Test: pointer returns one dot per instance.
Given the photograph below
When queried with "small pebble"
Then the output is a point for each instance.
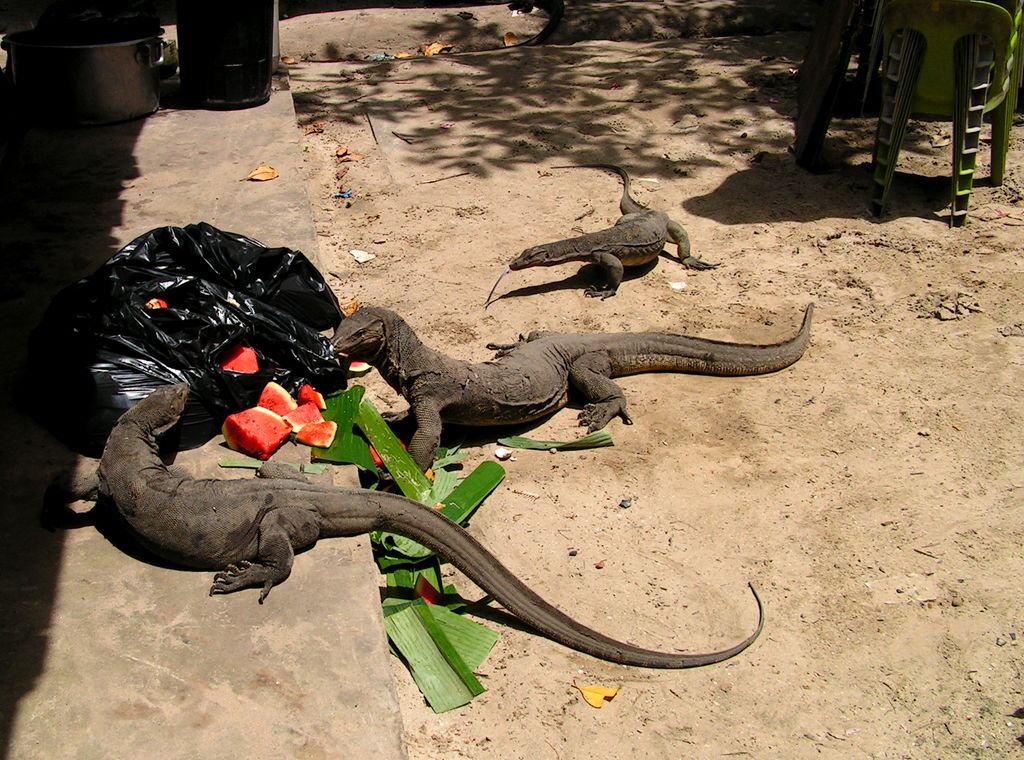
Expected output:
(924, 432)
(626, 503)
(573, 552)
(1000, 641)
(502, 454)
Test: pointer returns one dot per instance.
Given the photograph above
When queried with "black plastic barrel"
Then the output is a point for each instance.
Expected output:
(225, 50)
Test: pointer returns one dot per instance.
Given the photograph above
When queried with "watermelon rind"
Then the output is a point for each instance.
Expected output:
(303, 415)
(319, 434)
(256, 431)
(358, 369)
(275, 398)
(309, 394)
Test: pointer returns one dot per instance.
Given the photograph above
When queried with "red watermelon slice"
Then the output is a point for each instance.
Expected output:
(276, 399)
(241, 359)
(257, 432)
(318, 433)
(303, 415)
(309, 394)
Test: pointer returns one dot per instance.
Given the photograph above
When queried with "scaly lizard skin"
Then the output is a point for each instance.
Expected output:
(637, 238)
(249, 530)
(532, 378)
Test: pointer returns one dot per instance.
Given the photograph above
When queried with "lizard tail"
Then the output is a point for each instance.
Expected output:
(361, 512)
(627, 204)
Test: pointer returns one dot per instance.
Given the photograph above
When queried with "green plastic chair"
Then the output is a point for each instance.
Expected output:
(953, 58)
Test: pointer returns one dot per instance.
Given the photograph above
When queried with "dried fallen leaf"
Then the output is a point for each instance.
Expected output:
(436, 47)
(287, 59)
(314, 129)
(596, 696)
(263, 174)
(403, 54)
(342, 150)
(351, 307)
(341, 172)
(511, 39)
(599, 564)
(351, 157)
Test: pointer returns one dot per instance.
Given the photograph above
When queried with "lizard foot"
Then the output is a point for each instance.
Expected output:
(601, 293)
(596, 416)
(243, 574)
(692, 262)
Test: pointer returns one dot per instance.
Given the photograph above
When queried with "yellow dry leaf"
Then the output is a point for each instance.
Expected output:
(352, 157)
(341, 151)
(351, 307)
(403, 54)
(263, 173)
(511, 39)
(287, 59)
(436, 47)
(596, 696)
(314, 128)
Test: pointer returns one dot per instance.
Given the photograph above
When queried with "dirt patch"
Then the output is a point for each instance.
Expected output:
(872, 491)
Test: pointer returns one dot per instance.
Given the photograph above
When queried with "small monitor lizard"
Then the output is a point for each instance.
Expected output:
(532, 378)
(249, 530)
(636, 239)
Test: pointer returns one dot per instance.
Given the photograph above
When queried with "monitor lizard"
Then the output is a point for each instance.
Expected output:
(248, 530)
(532, 378)
(636, 239)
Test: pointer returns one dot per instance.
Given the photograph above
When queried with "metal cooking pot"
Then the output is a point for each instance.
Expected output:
(84, 84)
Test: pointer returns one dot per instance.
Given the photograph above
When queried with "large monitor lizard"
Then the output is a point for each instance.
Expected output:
(636, 239)
(532, 378)
(249, 530)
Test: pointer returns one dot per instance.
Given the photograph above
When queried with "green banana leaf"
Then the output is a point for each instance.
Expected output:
(347, 447)
(594, 440)
(440, 672)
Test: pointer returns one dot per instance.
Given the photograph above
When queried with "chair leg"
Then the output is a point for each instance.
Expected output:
(1002, 116)
(899, 80)
(972, 60)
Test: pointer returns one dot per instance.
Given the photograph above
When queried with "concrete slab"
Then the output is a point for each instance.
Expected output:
(109, 656)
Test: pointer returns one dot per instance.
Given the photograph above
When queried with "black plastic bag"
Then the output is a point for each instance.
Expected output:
(166, 309)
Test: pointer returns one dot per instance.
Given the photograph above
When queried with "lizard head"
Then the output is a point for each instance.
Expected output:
(161, 409)
(536, 256)
(362, 336)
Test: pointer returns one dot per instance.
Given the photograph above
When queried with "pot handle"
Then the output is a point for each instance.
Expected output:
(149, 53)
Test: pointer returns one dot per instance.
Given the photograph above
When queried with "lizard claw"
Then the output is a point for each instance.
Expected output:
(602, 293)
(692, 262)
(596, 416)
(232, 578)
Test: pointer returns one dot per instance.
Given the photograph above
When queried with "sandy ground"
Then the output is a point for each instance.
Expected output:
(872, 491)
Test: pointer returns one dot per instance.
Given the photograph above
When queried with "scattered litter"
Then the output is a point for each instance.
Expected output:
(314, 128)
(677, 285)
(502, 454)
(262, 173)
(346, 193)
(378, 57)
(596, 696)
(361, 256)
(434, 48)
(402, 54)
(344, 154)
